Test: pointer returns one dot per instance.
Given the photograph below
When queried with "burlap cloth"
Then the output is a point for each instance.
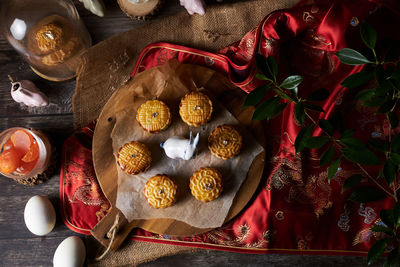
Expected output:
(106, 66)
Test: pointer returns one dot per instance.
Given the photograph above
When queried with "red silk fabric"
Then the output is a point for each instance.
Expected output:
(295, 209)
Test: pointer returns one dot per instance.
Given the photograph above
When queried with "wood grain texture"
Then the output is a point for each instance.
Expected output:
(18, 247)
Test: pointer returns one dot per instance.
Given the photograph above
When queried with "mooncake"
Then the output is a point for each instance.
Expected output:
(206, 184)
(153, 116)
(134, 157)
(195, 109)
(225, 142)
(160, 191)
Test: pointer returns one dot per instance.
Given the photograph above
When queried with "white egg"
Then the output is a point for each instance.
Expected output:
(39, 215)
(70, 253)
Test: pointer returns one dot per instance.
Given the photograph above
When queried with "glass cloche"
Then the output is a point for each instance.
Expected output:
(49, 34)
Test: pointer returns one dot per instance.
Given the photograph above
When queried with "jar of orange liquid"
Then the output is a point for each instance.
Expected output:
(24, 153)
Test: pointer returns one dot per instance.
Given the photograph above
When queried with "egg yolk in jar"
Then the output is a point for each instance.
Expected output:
(19, 153)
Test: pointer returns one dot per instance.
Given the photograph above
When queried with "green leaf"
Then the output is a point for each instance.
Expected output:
(272, 67)
(387, 106)
(366, 194)
(317, 141)
(352, 143)
(396, 214)
(319, 95)
(365, 95)
(292, 82)
(347, 134)
(389, 172)
(326, 126)
(283, 94)
(395, 157)
(387, 218)
(313, 108)
(352, 181)
(255, 96)
(327, 156)
(299, 113)
(361, 156)
(262, 77)
(357, 79)
(333, 168)
(383, 88)
(269, 109)
(351, 57)
(376, 251)
(393, 119)
(268, 66)
(302, 137)
(266, 109)
(368, 35)
(278, 110)
(382, 229)
(374, 102)
(392, 259)
(395, 75)
(378, 145)
(395, 144)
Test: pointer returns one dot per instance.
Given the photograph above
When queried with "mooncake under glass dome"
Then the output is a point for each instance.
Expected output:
(49, 34)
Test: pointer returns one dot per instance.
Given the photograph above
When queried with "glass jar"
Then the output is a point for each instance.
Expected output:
(49, 34)
(27, 164)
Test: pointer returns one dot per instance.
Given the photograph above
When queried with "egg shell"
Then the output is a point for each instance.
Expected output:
(71, 252)
(39, 215)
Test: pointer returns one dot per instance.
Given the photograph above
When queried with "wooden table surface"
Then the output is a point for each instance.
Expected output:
(19, 247)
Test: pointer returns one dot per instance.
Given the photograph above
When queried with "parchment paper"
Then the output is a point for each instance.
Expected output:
(170, 87)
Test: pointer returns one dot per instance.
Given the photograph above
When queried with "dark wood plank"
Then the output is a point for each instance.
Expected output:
(220, 258)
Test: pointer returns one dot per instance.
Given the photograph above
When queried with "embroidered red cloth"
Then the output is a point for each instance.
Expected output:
(295, 210)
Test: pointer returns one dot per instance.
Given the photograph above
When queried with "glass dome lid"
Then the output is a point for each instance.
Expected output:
(49, 34)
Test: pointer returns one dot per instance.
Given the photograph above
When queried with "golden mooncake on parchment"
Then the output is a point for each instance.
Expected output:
(195, 109)
(153, 116)
(160, 191)
(134, 157)
(206, 184)
(225, 142)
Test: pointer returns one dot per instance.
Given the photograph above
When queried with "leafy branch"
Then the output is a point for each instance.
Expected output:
(338, 143)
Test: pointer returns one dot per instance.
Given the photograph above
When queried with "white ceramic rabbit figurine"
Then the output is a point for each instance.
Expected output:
(178, 147)
(27, 93)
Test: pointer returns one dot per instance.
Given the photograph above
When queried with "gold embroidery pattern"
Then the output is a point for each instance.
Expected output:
(344, 221)
(279, 215)
(243, 233)
(284, 171)
(303, 242)
(104, 209)
(88, 191)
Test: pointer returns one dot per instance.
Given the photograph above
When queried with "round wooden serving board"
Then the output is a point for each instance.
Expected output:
(106, 168)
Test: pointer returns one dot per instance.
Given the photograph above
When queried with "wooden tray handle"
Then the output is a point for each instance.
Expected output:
(113, 221)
